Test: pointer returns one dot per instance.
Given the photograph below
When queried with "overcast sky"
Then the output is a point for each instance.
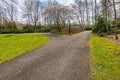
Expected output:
(65, 2)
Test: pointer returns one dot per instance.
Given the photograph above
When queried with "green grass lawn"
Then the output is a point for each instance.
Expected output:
(12, 45)
(105, 59)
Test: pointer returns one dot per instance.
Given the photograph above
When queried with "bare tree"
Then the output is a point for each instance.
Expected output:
(12, 12)
(33, 12)
(57, 14)
(84, 11)
(8, 12)
(87, 12)
(95, 10)
(115, 17)
(105, 11)
(79, 7)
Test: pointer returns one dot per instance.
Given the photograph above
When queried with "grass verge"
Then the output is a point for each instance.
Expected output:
(105, 59)
(12, 45)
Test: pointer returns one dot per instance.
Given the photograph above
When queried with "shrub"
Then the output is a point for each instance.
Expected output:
(89, 27)
(54, 31)
(100, 25)
(28, 28)
(102, 34)
(6, 31)
(118, 31)
(73, 30)
(45, 29)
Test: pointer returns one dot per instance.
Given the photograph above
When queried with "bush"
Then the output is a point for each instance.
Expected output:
(6, 31)
(118, 31)
(45, 29)
(73, 30)
(102, 34)
(89, 27)
(54, 31)
(9, 27)
(100, 27)
(28, 28)
(59, 27)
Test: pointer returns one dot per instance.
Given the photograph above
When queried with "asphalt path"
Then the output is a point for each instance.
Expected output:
(60, 59)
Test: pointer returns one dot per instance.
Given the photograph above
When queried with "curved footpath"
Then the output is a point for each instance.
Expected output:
(60, 59)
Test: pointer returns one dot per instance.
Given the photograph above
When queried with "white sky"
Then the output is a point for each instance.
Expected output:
(66, 2)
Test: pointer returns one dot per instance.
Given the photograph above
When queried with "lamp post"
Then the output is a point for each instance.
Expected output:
(69, 26)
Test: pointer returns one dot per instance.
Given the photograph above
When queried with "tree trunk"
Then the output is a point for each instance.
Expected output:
(87, 11)
(35, 28)
(106, 13)
(115, 14)
(95, 10)
(92, 4)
